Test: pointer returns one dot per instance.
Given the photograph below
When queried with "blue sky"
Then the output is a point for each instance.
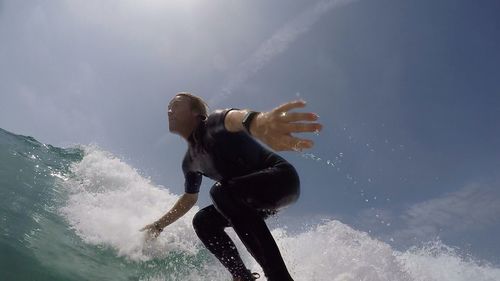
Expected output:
(408, 93)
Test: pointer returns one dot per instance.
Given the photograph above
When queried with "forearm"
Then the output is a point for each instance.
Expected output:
(234, 118)
(180, 208)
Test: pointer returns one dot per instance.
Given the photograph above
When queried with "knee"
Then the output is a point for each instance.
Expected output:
(199, 220)
(219, 193)
(294, 175)
(293, 178)
(293, 186)
(224, 200)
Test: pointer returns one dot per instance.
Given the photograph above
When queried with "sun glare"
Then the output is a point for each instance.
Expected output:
(165, 4)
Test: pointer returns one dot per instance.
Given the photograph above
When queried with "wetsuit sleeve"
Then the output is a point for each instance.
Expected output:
(192, 178)
(215, 121)
(192, 182)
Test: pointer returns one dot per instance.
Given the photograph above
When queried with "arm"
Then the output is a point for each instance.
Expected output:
(274, 128)
(181, 207)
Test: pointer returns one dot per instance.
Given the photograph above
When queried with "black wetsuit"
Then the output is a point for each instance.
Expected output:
(252, 183)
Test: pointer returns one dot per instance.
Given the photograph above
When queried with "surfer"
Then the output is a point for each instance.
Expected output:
(252, 182)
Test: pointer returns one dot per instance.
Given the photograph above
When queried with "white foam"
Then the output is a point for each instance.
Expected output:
(334, 251)
(109, 202)
(436, 261)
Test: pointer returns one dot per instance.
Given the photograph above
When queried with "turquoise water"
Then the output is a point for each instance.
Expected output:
(74, 214)
(36, 242)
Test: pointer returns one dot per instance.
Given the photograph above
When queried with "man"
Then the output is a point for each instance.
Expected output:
(252, 182)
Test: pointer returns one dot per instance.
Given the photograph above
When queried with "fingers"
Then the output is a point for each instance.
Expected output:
(303, 127)
(147, 227)
(299, 116)
(151, 233)
(302, 144)
(292, 143)
(290, 105)
(280, 124)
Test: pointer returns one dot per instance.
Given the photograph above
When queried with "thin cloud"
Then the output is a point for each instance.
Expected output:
(277, 44)
(472, 208)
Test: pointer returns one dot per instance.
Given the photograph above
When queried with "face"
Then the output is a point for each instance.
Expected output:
(180, 116)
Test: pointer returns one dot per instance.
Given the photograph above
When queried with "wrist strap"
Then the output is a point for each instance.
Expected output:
(247, 120)
(157, 226)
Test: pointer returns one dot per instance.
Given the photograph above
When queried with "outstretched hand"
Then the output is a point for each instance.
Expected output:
(274, 128)
(152, 231)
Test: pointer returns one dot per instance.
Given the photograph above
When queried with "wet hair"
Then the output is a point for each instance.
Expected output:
(197, 104)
